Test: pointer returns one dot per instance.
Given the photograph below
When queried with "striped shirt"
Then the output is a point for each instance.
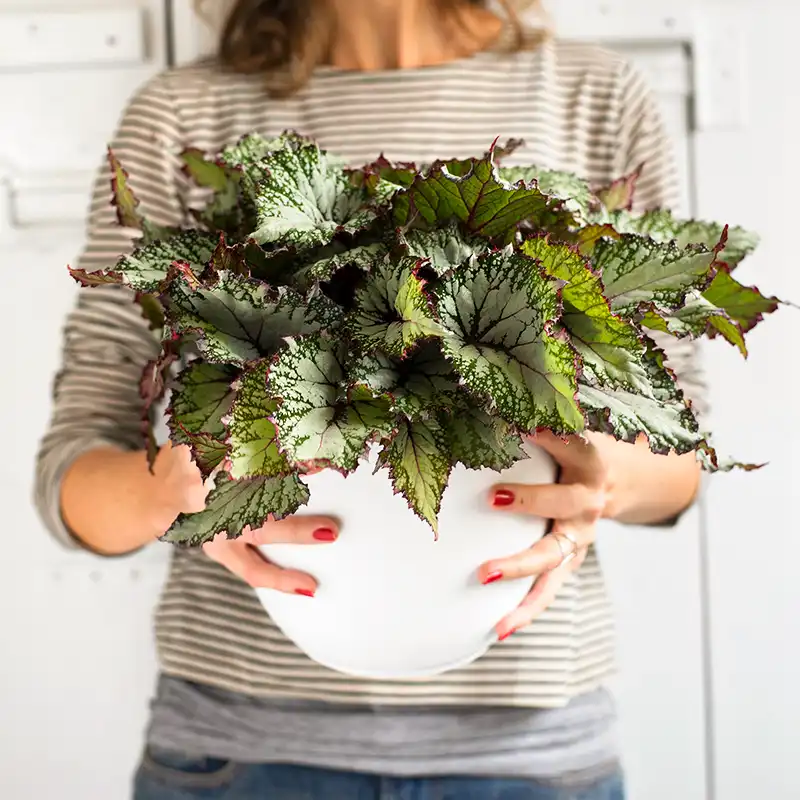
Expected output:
(577, 108)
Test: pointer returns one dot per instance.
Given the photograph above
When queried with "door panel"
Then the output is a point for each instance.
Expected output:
(78, 666)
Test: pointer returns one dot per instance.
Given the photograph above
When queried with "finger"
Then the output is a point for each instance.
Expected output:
(542, 594)
(549, 500)
(548, 553)
(245, 561)
(577, 562)
(542, 557)
(575, 453)
(296, 529)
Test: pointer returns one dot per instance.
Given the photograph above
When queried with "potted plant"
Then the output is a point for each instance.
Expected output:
(361, 342)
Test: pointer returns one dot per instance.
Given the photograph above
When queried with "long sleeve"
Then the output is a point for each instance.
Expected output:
(106, 341)
(644, 142)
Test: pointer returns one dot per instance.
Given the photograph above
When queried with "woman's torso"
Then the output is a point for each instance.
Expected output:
(577, 108)
(564, 102)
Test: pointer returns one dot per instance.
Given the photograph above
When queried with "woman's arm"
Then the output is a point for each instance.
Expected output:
(643, 488)
(89, 477)
(113, 504)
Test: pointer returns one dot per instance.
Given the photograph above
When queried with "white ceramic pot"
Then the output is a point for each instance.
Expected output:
(393, 602)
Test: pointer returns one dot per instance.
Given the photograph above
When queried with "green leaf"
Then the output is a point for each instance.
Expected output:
(307, 198)
(124, 200)
(419, 385)
(204, 172)
(252, 436)
(233, 505)
(318, 425)
(565, 186)
(152, 310)
(364, 257)
(585, 239)
(444, 248)
(619, 195)
(222, 212)
(726, 308)
(202, 397)
(419, 462)
(240, 320)
(127, 205)
(665, 417)
(497, 313)
(662, 226)
(744, 304)
(248, 154)
(150, 268)
(479, 440)
(392, 310)
(696, 317)
(478, 198)
(95, 278)
(637, 272)
(609, 346)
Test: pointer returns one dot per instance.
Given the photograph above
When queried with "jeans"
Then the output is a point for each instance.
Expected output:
(171, 776)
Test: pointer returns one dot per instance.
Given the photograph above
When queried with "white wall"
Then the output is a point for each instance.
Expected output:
(76, 659)
(77, 663)
(752, 520)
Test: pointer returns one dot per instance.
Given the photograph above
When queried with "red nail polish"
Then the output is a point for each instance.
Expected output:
(492, 577)
(325, 535)
(506, 635)
(503, 498)
(304, 592)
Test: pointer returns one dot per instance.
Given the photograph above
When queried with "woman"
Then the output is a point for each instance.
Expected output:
(239, 712)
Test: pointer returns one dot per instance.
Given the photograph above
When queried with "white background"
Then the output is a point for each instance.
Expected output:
(708, 614)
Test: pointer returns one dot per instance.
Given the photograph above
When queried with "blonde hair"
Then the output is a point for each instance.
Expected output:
(286, 40)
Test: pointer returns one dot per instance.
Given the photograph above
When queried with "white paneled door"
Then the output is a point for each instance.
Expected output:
(77, 664)
(77, 667)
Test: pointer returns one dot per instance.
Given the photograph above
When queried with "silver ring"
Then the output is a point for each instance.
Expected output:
(566, 555)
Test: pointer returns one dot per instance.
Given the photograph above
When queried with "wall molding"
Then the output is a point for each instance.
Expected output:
(30, 201)
(42, 40)
(715, 34)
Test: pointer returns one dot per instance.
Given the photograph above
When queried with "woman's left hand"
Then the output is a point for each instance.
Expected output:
(574, 504)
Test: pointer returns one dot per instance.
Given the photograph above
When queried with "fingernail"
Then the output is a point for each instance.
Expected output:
(325, 535)
(506, 635)
(502, 498)
(304, 592)
(492, 577)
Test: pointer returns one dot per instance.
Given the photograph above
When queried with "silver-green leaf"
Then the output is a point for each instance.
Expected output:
(392, 311)
(418, 386)
(610, 347)
(319, 423)
(662, 226)
(665, 418)
(240, 320)
(498, 313)
(252, 437)
(307, 197)
(150, 267)
(419, 462)
(233, 505)
(479, 440)
(638, 271)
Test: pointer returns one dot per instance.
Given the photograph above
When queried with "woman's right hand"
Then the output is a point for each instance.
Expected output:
(181, 490)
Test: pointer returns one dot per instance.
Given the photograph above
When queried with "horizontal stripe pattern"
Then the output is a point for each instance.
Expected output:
(577, 108)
